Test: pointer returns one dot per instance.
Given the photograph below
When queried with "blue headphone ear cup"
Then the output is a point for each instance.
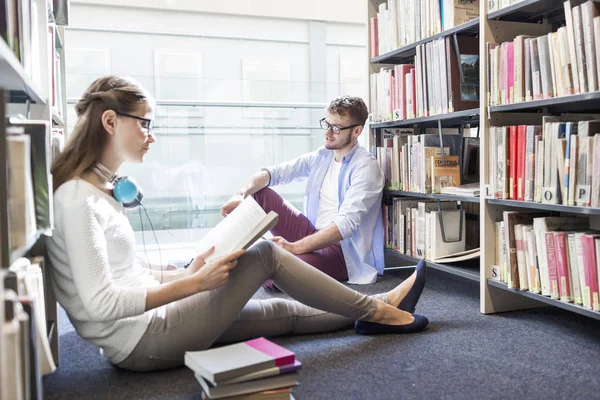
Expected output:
(127, 192)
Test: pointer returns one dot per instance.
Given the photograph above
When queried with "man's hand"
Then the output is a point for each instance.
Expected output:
(215, 274)
(284, 244)
(231, 204)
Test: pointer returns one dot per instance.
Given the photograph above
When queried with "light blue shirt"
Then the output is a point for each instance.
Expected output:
(360, 191)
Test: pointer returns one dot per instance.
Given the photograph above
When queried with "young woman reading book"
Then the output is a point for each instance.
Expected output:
(143, 319)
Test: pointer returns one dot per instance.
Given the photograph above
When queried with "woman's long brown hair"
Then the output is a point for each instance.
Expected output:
(88, 139)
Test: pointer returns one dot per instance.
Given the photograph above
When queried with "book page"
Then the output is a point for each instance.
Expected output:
(229, 234)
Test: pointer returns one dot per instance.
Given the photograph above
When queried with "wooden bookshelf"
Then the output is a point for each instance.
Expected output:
(456, 118)
(29, 94)
(547, 300)
(529, 17)
(14, 79)
(531, 10)
(405, 53)
(469, 117)
(497, 27)
(546, 207)
(466, 199)
(582, 102)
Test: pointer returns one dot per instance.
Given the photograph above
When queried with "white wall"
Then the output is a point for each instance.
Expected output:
(237, 54)
(347, 11)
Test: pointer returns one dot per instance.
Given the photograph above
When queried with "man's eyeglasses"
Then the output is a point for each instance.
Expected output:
(145, 122)
(334, 128)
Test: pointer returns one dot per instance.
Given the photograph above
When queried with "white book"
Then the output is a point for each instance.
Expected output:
(31, 279)
(588, 12)
(545, 67)
(521, 261)
(539, 171)
(571, 44)
(580, 49)
(20, 193)
(239, 230)
(597, 45)
(574, 269)
(533, 271)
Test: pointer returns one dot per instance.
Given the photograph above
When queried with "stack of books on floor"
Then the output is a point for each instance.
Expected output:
(251, 370)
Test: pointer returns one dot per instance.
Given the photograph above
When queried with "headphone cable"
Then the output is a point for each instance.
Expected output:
(155, 239)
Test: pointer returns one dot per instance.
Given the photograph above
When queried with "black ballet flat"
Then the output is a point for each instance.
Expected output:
(374, 328)
(409, 303)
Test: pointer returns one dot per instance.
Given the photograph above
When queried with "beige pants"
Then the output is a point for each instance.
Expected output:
(228, 314)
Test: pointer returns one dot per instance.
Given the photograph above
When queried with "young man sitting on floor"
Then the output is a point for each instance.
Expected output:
(341, 232)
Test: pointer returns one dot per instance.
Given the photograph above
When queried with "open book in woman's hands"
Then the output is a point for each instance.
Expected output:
(239, 230)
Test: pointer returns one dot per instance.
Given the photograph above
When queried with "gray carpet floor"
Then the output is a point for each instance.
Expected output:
(544, 353)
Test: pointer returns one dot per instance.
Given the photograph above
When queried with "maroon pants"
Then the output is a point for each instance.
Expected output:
(293, 226)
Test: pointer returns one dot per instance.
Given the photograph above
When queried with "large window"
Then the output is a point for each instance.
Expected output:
(231, 99)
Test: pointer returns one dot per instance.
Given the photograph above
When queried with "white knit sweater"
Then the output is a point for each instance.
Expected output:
(97, 278)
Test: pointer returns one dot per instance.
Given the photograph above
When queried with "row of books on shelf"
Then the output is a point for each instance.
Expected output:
(57, 95)
(31, 148)
(495, 5)
(557, 257)
(414, 228)
(402, 22)
(413, 162)
(256, 369)
(19, 22)
(19, 28)
(556, 162)
(560, 63)
(444, 78)
(26, 349)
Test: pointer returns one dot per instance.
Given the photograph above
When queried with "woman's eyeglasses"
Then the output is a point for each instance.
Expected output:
(145, 122)
(334, 128)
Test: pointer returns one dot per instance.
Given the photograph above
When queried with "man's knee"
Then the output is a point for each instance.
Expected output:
(265, 195)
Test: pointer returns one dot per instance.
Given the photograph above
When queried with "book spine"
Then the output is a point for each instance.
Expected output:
(539, 171)
(529, 163)
(552, 270)
(590, 291)
(580, 50)
(574, 269)
(521, 263)
(521, 159)
(588, 12)
(595, 200)
(562, 266)
(512, 163)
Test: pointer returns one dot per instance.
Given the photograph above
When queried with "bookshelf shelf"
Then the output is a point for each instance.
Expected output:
(58, 42)
(58, 120)
(560, 304)
(14, 78)
(22, 251)
(457, 118)
(582, 102)
(530, 10)
(466, 199)
(51, 329)
(546, 207)
(406, 52)
(464, 271)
